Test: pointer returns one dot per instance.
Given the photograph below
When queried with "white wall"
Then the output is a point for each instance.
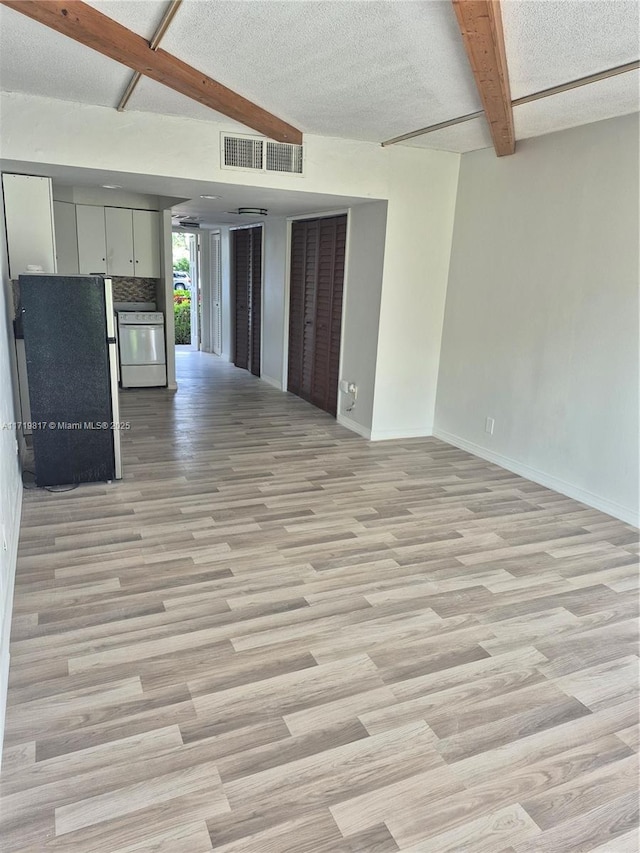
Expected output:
(416, 266)
(541, 326)
(361, 312)
(274, 290)
(419, 184)
(44, 130)
(10, 480)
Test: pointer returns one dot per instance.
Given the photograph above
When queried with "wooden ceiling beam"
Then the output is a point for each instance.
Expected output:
(87, 25)
(480, 23)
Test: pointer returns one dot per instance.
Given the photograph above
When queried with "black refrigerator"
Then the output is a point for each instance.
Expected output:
(71, 354)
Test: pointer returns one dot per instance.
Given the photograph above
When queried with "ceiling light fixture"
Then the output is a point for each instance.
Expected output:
(111, 187)
(253, 211)
(210, 196)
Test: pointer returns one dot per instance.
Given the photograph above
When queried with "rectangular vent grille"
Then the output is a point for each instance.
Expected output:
(242, 152)
(284, 157)
(255, 152)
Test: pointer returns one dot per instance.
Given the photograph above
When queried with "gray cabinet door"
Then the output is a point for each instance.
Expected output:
(146, 243)
(119, 230)
(28, 211)
(92, 241)
(64, 221)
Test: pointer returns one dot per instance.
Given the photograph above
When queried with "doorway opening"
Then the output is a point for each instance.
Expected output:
(187, 294)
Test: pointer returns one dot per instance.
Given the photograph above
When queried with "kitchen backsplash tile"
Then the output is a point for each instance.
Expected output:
(134, 289)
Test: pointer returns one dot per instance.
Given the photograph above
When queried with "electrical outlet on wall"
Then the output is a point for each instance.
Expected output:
(488, 425)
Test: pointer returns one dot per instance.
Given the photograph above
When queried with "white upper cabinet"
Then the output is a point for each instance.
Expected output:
(118, 241)
(28, 206)
(64, 221)
(146, 243)
(92, 241)
(119, 230)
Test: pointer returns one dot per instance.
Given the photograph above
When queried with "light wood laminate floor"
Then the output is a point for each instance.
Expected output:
(275, 637)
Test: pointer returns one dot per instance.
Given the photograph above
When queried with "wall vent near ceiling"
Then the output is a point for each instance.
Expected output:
(284, 157)
(243, 152)
(259, 154)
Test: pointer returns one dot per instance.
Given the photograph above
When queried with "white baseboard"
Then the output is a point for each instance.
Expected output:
(344, 421)
(613, 508)
(389, 434)
(271, 381)
(13, 536)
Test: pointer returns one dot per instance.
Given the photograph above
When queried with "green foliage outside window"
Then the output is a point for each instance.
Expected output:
(181, 265)
(182, 316)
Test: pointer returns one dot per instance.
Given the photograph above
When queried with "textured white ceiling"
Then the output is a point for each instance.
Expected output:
(37, 60)
(361, 69)
(549, 42)
(149, 96)
(605, 99)
(598, 101)
(141, 16)
(459, 138)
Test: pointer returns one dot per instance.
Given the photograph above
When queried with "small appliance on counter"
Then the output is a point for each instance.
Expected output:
(71, 360)
(143, 362)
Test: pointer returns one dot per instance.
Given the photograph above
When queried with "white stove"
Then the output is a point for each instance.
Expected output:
(143, 360)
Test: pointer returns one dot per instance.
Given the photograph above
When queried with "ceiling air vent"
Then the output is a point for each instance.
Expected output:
(259, 154)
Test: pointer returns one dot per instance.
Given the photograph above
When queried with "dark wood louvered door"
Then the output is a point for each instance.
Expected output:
(246, 250)
(302, 307)
(315, 309)
(255, 290)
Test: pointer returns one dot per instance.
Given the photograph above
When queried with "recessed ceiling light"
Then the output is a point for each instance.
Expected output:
(210, 196)
(111, 187)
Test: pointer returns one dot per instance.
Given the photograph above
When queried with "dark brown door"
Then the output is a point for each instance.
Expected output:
(241, 278)
(246, 250)
(315, 309)
(302, 307)
(255, 291)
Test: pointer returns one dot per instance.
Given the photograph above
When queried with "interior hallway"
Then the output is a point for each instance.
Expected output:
(275, 636)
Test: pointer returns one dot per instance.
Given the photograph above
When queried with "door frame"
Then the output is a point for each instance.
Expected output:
(287, 292)
(177, 229)
(216, 233)
(195, 266)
